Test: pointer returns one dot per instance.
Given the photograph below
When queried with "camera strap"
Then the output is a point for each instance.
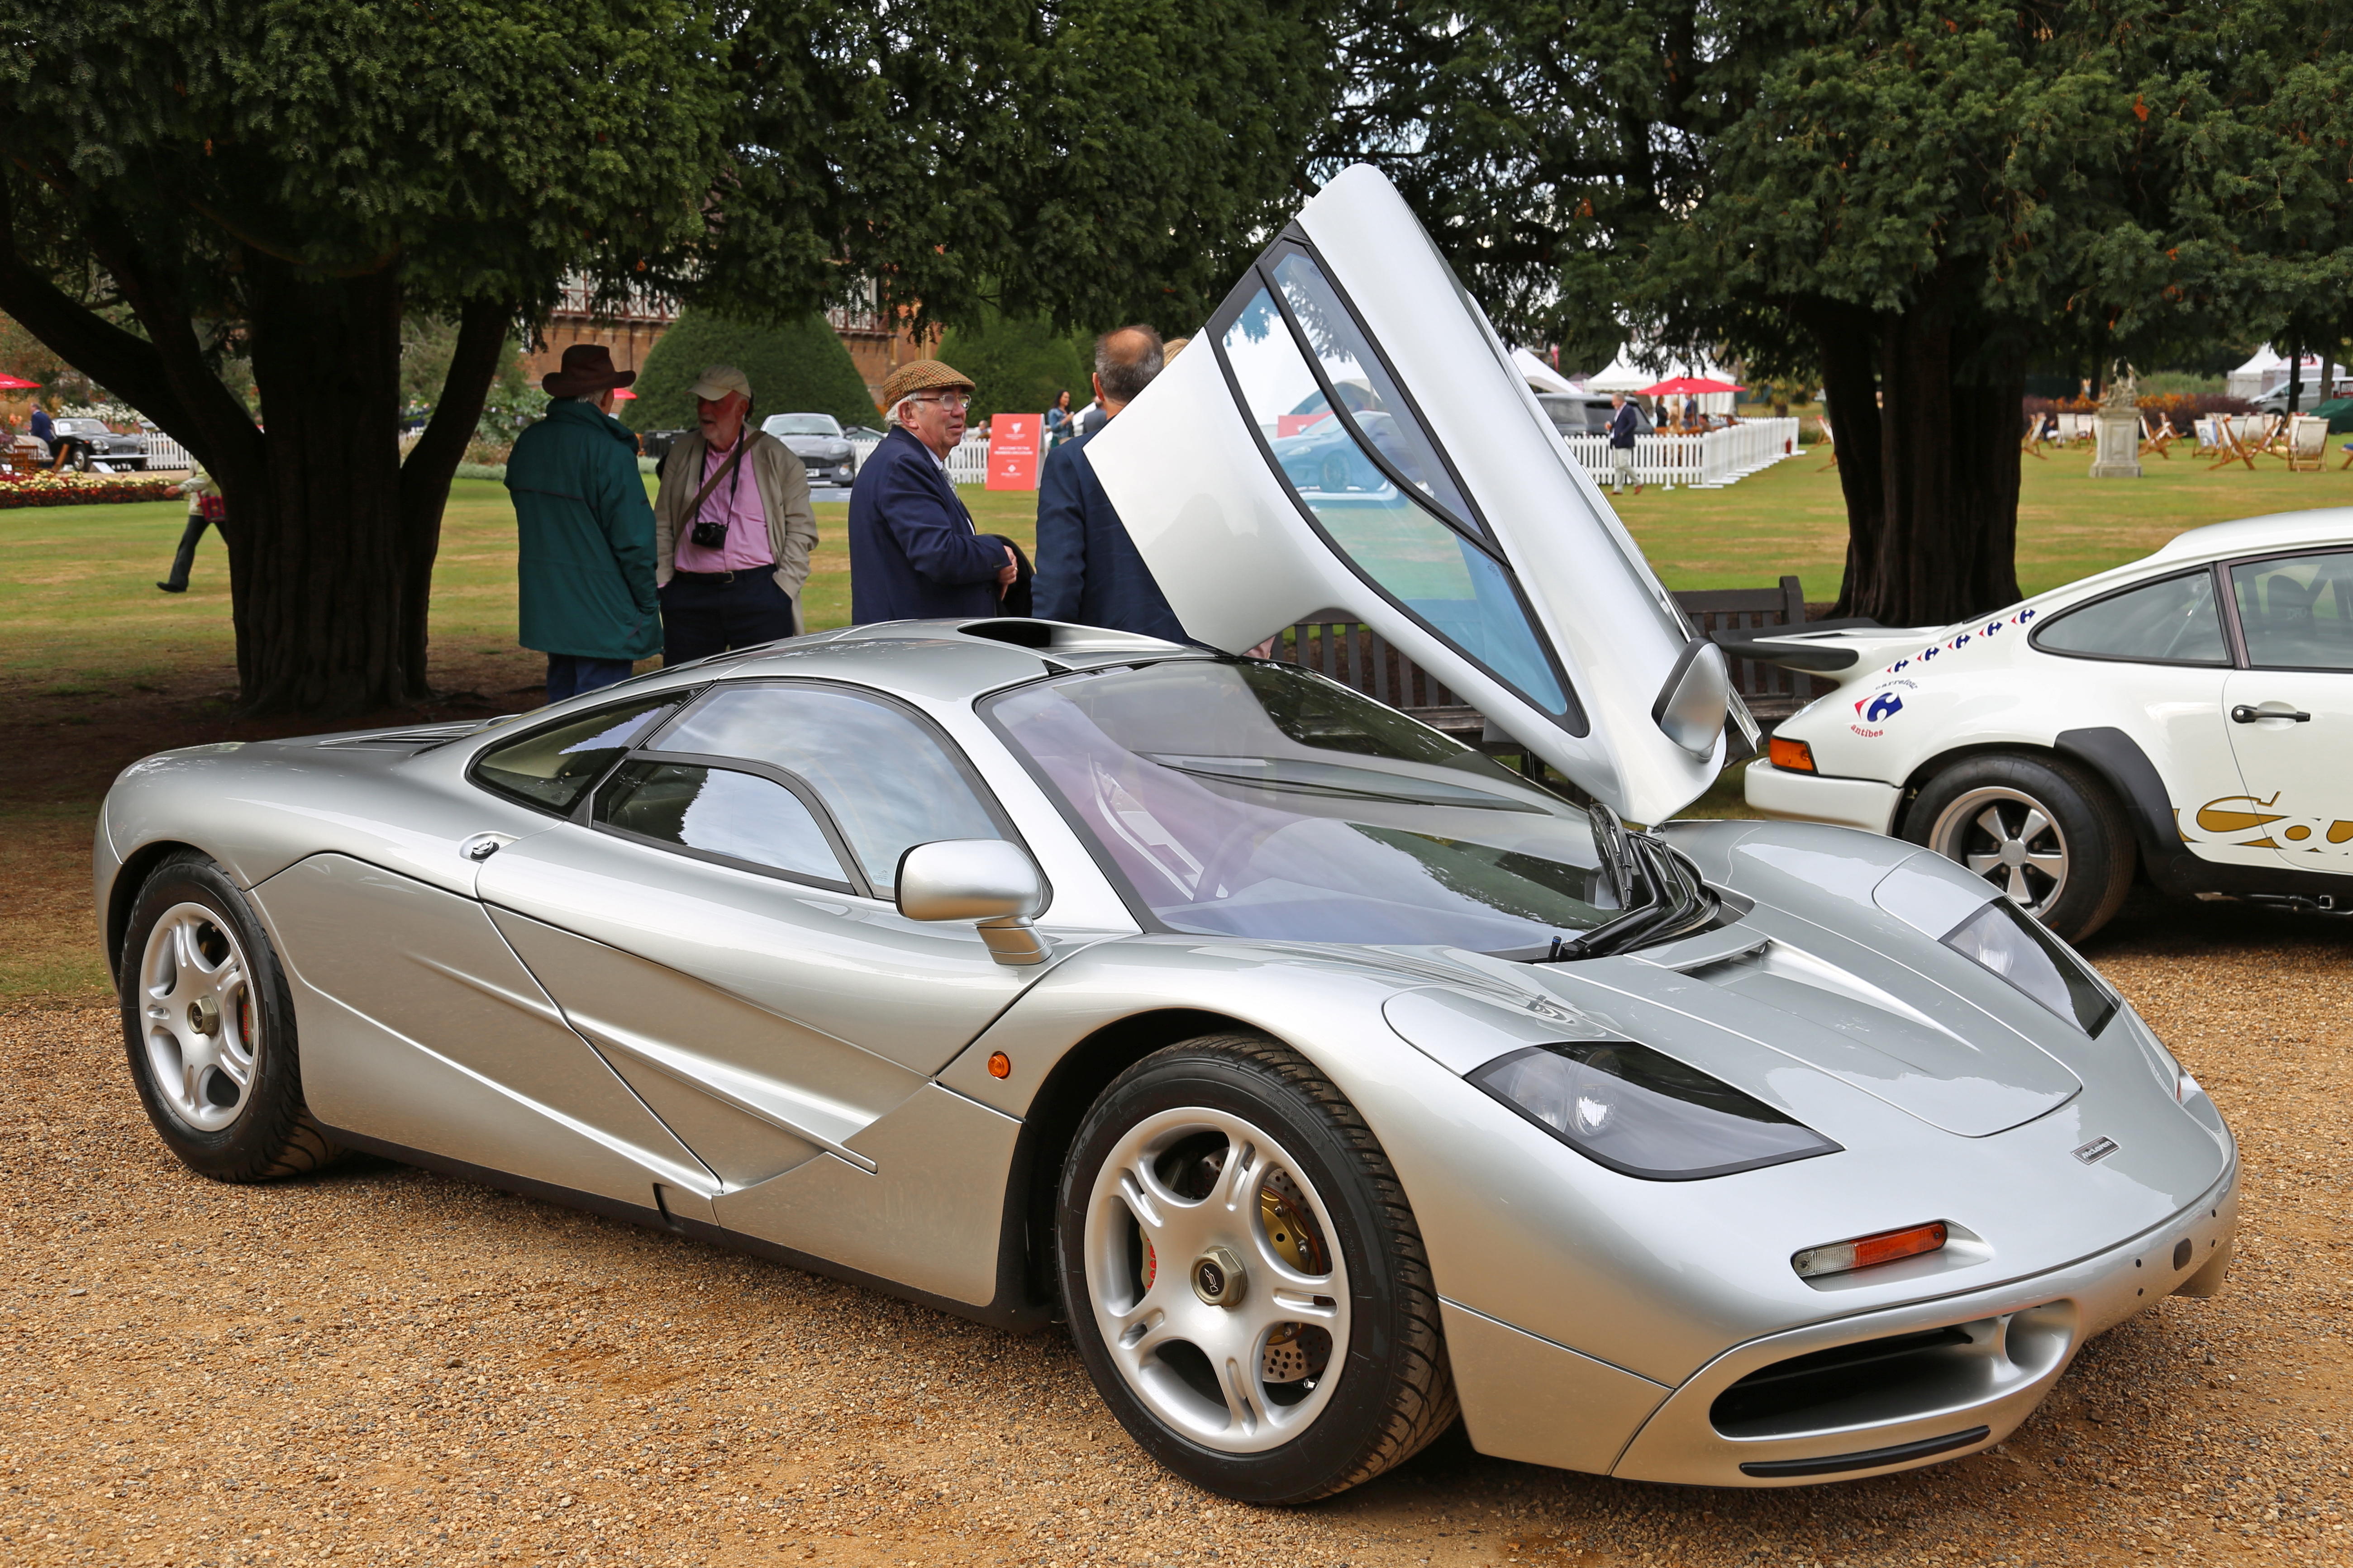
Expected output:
(726, 470)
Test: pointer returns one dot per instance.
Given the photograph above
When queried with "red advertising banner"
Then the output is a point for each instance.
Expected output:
(1013, 451)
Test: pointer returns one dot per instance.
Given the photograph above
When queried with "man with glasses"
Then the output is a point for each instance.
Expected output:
(915, 553)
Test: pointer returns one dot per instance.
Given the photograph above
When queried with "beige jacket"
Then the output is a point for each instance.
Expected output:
(784, 496)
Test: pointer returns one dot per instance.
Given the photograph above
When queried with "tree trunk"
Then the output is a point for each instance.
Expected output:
(316, 573)
(1932, 511)
(483, 328)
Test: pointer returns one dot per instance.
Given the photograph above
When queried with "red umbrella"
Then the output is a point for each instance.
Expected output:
(1686, 386)
(623, 394)
(16, 383)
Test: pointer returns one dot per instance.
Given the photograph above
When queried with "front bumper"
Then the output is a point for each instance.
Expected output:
(1866, 804)
(1914, 1384)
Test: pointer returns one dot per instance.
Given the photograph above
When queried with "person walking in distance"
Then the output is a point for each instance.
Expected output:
(1624, 423)
(585, 535)
(1088, 568)
(915, 553)
(733, 529)
(205, 509)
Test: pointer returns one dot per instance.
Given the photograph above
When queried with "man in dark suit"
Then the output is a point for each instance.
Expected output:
(1088, 568)
(915, 553)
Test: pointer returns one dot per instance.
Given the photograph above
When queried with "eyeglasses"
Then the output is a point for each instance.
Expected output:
(953, 402)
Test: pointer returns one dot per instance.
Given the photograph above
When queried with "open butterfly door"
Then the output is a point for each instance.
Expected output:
(1349, 433)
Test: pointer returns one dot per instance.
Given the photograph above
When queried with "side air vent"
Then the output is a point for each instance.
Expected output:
(1061, 636)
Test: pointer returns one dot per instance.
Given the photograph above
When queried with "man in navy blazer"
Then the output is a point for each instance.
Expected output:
(1088, 568)
(915, 553)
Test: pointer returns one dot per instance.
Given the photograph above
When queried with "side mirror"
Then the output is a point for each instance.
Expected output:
(985, 880)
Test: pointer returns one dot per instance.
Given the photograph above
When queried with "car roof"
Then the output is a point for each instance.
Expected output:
(2251, 535)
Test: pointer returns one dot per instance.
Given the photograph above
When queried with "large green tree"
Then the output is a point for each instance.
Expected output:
(1908, 200)
(285, 181)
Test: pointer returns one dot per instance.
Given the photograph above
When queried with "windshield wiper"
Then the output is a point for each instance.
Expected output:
(1678, 904)
(1609, 841)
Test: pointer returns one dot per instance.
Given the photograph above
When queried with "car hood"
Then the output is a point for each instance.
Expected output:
(1442, 510)
(815, 446)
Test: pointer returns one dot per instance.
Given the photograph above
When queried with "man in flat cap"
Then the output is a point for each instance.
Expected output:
(584, 562)
(913, 551)
(733, 529)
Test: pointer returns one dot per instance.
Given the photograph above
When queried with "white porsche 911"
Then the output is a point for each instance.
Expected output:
(2187, 717)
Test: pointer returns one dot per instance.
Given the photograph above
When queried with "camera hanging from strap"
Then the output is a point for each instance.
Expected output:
(713, 535)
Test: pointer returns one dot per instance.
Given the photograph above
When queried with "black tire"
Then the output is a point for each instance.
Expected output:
(81, 460)
(264, 1131)
(1393, 1392)
(2087, 829)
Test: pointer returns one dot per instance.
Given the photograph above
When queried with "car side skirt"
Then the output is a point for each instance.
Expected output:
(1010, 1308)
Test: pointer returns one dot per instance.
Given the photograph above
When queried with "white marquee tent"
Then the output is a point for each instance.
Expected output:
(1624, 375)
(2267, 373)
(1540, 376)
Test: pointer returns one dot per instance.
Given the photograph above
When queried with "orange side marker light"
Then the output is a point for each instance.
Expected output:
(1790, 756)
(1863, 1251)
(1000, 1065)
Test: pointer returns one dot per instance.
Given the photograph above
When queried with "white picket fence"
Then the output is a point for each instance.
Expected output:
(1708, 460)
(163, 453)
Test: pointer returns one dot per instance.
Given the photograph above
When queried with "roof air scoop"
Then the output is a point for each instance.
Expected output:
(1692, 705)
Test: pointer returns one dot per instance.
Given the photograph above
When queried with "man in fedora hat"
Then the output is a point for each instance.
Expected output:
(913, 551)
(585, 560)
(733, 529)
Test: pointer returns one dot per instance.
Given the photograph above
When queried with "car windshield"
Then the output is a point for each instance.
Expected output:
(1260, 801)
(804, 425)
(80, 427)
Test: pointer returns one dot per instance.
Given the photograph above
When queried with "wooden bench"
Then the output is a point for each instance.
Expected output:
(1360, 659)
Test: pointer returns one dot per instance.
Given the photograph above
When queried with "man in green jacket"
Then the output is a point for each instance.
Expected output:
(585, 531)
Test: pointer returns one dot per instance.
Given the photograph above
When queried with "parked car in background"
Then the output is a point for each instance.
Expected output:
(2186, 718)
(656, 443)
(1573, 414)
(87, 445)
(817, 439)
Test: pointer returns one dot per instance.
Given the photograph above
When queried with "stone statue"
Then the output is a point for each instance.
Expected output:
(2115, 453)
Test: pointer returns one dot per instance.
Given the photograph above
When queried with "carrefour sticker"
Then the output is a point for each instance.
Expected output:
(1873, 712)
(1983, 632)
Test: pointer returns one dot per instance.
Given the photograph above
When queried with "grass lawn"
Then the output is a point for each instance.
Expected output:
(98, 668)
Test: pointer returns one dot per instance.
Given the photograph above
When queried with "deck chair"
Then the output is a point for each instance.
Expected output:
(2307, 443)
(2227, 443)
(1829, 440)
(2158, 440)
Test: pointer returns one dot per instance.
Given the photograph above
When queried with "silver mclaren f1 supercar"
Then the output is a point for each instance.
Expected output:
(1327, 1078)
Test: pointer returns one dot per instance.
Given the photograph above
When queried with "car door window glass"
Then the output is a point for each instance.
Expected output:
(2170, 621)
(2296, 612)
(1372, 399)
(1439, 577)
(553, 767)
(720, 812)
(888, 780)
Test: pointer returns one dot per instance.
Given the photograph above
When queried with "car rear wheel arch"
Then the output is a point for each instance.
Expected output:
(129, 881)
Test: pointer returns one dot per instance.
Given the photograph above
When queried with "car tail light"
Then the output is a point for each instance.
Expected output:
(1792, 756)
(1863, 1251)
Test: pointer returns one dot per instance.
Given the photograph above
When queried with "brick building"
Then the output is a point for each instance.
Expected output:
(630, 332)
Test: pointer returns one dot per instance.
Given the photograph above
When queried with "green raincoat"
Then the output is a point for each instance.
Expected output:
(585, 532)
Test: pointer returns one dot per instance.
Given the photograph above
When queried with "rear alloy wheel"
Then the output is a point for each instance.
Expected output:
(209, 1028)
(2041, 829)
(1244, 1278)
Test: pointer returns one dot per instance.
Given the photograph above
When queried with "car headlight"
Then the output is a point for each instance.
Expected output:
(1642, 1113)
(2006, 941)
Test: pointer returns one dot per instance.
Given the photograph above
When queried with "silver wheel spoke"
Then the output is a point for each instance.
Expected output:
(2048, 864)
(1239, 1382)
(1984, 864)
(1989, 821)
(2016, 887)
(2035, 825)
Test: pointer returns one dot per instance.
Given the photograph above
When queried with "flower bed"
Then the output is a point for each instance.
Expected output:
(45, 489)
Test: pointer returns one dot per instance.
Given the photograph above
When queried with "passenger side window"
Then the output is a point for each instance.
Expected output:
(2296, 613)
(555, 767)
(889, 782)
(2170, 621)
(721, 812)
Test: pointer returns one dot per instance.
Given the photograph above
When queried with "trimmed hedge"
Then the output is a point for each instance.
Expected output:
(796, 369)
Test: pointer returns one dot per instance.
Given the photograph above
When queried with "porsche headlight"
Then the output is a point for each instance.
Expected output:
(1642, 1113)
(2007, 941)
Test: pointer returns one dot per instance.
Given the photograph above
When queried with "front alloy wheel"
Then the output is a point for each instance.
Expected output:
(2045, 831)
(1244, 1277)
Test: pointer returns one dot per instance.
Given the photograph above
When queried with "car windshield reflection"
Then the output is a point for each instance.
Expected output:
(1255, 800)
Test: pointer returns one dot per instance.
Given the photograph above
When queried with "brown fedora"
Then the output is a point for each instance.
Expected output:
(587, 368)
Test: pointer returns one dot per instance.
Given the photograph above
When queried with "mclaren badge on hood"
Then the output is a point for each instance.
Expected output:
(1356, 441)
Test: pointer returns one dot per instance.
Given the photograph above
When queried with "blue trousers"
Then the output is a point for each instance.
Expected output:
(701, 617)
(569, 675)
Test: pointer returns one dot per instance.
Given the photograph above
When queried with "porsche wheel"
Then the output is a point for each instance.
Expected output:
(209, 1029)
(1245, 1279)
(2039, 829)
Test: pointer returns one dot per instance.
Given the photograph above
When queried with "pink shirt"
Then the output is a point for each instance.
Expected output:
(736, 501)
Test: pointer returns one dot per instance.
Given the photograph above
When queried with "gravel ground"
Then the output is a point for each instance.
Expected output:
(384, 1366)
